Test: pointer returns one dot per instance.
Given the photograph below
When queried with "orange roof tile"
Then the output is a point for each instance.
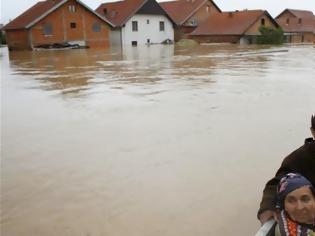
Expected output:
(181, 10)
(230, 23)
(37, 12)
(303, 21)
(298, 13)
(119, 12)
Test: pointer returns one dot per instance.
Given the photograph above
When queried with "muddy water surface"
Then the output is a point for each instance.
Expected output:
(158, 140)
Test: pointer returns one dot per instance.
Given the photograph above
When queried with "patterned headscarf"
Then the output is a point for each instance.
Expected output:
(287, 184)
(288, 227)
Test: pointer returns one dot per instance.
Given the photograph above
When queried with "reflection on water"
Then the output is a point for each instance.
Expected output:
(152, 140)
(76, 71)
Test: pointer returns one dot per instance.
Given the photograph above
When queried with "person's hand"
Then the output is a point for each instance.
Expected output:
(266, 215)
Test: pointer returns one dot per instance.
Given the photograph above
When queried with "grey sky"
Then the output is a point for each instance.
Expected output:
(12, 8)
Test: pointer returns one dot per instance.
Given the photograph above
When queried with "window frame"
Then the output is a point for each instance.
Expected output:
(72, 8)
(73, 25)
(134, 26)
(162, 26)
(96, 27)
(47, 29)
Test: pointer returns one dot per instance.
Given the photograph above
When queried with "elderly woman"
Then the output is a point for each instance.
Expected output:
(296, 207)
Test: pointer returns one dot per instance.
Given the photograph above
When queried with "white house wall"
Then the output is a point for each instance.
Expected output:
(147, 31)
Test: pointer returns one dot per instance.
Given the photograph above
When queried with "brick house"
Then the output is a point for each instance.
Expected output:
(233, 27)
(58, 21)
(137, 22)
(298, 25)
(188, 14)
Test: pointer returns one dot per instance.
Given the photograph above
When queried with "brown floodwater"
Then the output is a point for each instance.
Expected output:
(159, 140)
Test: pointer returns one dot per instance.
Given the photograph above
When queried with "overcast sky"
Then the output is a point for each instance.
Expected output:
(12, 8)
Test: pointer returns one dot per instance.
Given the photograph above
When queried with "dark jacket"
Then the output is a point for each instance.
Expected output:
(300, 161)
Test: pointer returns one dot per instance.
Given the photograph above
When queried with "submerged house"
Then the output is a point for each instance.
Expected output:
(188, 14)
(298, 25)
(137, 22)
(233, 27)
(58, 22)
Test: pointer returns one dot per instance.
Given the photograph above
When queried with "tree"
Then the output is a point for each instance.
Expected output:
(270, 35)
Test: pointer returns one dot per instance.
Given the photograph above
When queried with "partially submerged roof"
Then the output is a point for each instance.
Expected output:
(230, 23)
(118, 13)
(302, 21)
(40, 10)
(181, 10)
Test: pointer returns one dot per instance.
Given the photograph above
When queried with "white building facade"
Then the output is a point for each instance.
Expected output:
(143, 29)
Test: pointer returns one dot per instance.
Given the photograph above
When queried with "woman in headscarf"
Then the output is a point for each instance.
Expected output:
(296, 207)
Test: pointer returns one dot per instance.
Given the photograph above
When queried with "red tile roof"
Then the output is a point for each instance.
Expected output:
(303, 21)
(181, 10)
(298, 13)
(37, 12)
(118, 13)
(230, 23)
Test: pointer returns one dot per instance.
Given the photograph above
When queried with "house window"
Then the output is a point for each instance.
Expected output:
(134, 43)
(300, 20)
(208, 8)
(263, 21)
(47, 29)
(148, 21)
(105, 11)
(96, 27)
(135, 26)
(113, 14)
(288, 21)
(72, 8)
(148, 41)
(73, 25)
(162, 26)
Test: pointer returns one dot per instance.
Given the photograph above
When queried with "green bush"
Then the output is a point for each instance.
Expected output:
(270, 36)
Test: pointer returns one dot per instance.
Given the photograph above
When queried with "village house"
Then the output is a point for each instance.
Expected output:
(298, 25)
(233, 27)
(58, 22)
(188, 14)
(137, 22)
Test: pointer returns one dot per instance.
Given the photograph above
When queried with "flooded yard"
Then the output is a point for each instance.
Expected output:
(159, 140)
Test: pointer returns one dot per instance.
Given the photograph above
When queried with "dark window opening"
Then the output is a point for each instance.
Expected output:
(47, 29)
(148, 41)
(148, 21)
(96, 27)
(135, 26)
(105, 11)
(134, 43)
(161, 25)
(73, 25)
(262, 21)
(300, 21)
(288, 21)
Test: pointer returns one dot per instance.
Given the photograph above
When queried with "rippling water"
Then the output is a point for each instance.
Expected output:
(158, 140)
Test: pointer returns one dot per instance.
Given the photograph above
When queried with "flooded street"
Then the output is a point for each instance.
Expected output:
(152, 141)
